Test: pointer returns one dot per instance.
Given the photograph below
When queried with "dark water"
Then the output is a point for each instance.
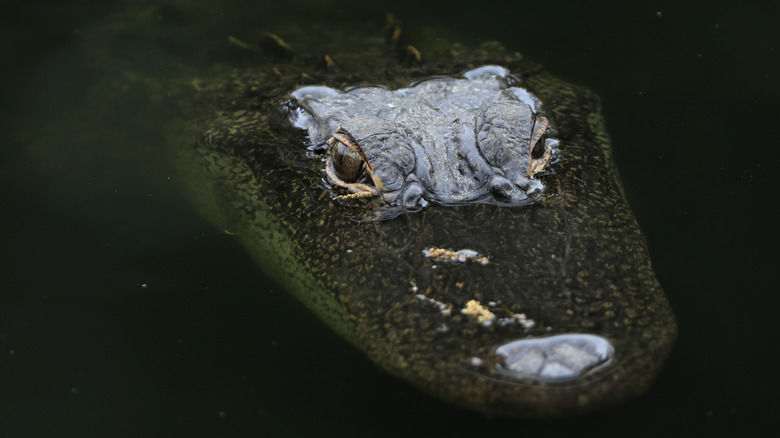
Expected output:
(124, 313)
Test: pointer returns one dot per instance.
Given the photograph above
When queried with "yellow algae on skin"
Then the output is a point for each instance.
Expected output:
(477, 310)
(461, 256)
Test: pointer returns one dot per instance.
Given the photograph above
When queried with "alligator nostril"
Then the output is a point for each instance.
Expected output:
(347, 163)
(559, 357)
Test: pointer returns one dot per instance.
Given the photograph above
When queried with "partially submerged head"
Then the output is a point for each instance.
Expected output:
(450, 141)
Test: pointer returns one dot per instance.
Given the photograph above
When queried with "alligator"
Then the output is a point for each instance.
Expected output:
(453, 212)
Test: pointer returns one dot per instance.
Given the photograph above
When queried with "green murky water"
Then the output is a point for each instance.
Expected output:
(123, 313)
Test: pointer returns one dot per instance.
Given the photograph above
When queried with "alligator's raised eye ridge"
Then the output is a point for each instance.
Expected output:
(463, 140)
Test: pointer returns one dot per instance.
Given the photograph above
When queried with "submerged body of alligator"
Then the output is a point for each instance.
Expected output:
(494, 264)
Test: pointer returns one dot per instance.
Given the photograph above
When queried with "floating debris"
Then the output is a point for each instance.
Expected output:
(485, 317)
(461, 256)
(444, 309)
(517, 318)
(477, 310)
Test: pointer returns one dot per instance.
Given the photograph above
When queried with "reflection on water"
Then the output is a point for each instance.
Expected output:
(124, 313)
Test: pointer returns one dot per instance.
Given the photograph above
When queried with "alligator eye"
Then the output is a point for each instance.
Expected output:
(538, 149)
(347, 163)
(538, 138)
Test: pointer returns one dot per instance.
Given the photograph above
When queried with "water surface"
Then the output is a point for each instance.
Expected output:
(124, 313)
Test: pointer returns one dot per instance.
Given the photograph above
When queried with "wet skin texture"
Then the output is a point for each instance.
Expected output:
(447, 140)
(573, 262)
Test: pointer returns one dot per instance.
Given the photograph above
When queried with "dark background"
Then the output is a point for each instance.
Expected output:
(124, 313)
